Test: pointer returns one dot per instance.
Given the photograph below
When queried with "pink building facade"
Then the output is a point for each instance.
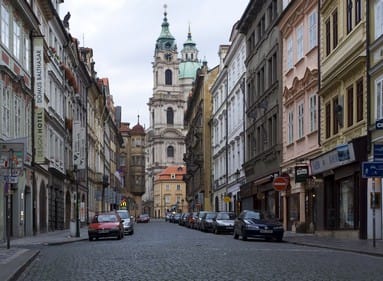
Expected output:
(299, 31)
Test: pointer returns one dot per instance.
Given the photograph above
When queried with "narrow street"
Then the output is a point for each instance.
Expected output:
(164, 251)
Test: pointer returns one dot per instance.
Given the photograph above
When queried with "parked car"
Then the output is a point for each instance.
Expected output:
(197, 222)
(143, 218)
(223, 222)
(207, 221)
(257, 224)
(184, 218)
(106, 225)
(168, 216)
(176, 218)
(191, 220)
(128, 221)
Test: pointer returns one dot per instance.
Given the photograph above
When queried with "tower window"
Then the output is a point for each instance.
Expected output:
(170, 116)
(170, 151)
(168, 77)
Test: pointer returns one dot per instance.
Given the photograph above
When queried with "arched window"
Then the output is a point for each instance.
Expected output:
(170, 151)
(168, 77)
(170, 116)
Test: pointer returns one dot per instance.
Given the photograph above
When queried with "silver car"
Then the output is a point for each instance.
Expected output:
(127, 221)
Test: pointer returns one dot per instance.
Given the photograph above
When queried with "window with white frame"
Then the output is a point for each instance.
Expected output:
(301, 120)
(290, 128)
(313, 32)
(379, 97)
(5, 110)
(16, 39)
(289, 53)
(26, 53)
(313, 113)
(300, 41)
(18, 116)
(378, 18)
(4, 26)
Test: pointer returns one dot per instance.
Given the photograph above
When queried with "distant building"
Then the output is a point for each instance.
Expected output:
(172, 81)
(170, 191)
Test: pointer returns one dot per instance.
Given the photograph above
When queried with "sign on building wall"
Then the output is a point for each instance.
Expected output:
(39, 135)
(38, 70)
(78, 145)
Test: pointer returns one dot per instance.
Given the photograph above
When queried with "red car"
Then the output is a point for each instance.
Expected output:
(106, 225)
(144, 218)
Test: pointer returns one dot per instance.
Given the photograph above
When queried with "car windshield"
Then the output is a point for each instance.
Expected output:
(105, 218)
(226, 216)
(257, 215)
(123, 214)
(210, 215)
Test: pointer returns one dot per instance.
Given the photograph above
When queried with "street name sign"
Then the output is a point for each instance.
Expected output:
(372, 169)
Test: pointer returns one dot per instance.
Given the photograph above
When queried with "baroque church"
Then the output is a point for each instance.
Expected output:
(173, 77)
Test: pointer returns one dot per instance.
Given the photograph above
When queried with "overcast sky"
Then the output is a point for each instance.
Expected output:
(122, 34)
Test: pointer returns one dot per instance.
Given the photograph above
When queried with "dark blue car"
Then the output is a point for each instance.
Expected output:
(257, 224)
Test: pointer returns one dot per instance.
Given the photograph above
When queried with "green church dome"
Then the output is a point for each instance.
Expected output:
(188, 69)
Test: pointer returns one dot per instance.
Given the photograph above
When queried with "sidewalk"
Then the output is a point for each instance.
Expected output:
(21, 253)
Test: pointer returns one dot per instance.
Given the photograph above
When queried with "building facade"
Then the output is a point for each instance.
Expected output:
(198, 141)
(170, 192)
(342, 201)
(172, 82)
(299, 30)
(228, 125)
(263, 106)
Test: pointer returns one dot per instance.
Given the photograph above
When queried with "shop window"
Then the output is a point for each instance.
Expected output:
(346, 205)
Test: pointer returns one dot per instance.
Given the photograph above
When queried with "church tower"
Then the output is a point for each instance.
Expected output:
(172, 82)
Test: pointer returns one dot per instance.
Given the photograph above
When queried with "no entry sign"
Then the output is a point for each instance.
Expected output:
(280, 183)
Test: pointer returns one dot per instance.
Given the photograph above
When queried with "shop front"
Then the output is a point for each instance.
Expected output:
(340, 201)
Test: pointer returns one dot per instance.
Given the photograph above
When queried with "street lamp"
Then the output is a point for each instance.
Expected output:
(182, 205)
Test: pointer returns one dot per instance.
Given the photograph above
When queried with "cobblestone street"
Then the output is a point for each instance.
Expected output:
(165, 251)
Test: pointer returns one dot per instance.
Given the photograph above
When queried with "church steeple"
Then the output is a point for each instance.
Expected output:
(166, 40)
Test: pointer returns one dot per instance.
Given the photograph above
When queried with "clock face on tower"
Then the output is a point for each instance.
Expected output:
(167, 45)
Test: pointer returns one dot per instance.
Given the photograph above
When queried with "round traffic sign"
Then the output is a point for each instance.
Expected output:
(280, 183)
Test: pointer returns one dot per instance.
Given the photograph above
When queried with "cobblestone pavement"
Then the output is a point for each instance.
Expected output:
(164, 251)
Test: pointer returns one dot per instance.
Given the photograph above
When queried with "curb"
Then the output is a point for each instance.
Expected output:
(335, 248)
(23, 265)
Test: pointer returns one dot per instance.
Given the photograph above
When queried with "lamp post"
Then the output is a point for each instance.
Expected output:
(182, 205)
(77, 202)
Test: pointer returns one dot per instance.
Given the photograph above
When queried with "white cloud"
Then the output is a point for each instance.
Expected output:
(122, 34)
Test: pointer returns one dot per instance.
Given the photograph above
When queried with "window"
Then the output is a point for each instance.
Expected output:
(378, 18)
(328, 120)
(313, 113)
(5, 26)
(335, 29)
(290, 129)
(168, 77)
(18, 117)
(170, 151)
(328, 37)
(178, 187)
(299, 42)
(335, 118)
(16, 39)
(26, 53)
(349, 16)
(379, 98)
(300, 120)
(313, 32)
(346, 208)
(358, 11)
(289, 52)
(167, 187)
(169, 116)
(350, 106)
(359, 100)
(5, 111)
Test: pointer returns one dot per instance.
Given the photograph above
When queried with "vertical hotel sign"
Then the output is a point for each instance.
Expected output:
(38, 72)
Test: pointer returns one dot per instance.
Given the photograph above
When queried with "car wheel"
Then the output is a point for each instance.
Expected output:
(90, 238)
(279, 238)
(235, 235)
